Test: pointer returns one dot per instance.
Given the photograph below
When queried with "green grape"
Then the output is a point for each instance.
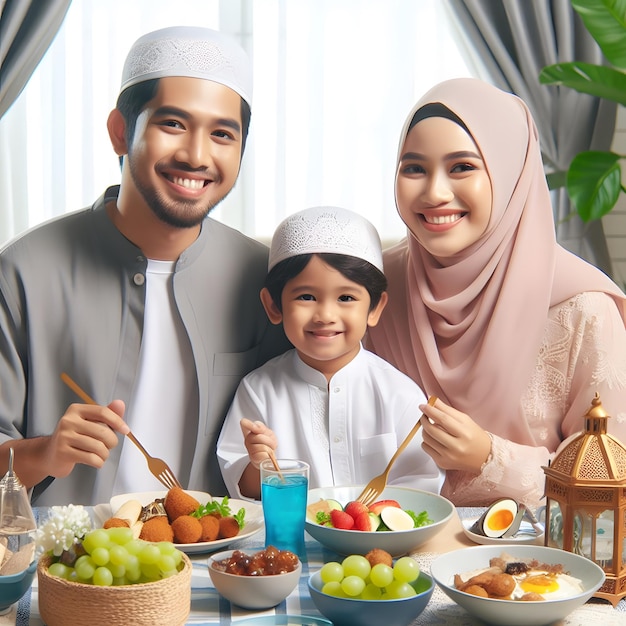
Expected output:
(398, 589)
(353, 585)
(331, 572)
(120, 535)
(406, 569)
(133, 572)
(333, 588)
(166, 547)
(60, 570)
(356, 565)
(135, 546)
(85, 569)
(103, 577)
(98, 538)
(100, 556)
(122, 580)
(118, 555)
(118, 571)
(166, 563)
(371, 592)
(150, 571)
(149, 554)
(381, 575)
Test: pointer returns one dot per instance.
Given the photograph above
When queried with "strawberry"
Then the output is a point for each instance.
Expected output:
(377, 507)
(354, 508)
(363, 522)
(341, 520)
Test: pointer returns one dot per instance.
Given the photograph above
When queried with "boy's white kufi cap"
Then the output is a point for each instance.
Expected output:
(326, 229)
(190, 51)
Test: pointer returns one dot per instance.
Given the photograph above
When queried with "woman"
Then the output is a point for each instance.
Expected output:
(486, 311)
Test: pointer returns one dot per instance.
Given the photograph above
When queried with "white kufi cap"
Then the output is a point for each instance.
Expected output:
(190, 51)
(326, 229)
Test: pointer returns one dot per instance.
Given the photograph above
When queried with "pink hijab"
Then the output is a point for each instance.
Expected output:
(470, 331)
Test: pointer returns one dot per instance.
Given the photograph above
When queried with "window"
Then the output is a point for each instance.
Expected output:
(333, 82)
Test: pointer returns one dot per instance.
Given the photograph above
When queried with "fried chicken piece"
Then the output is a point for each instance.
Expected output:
(476, 590)
(229, 527)
(157, 529)
(500, 586)
(187, 529)
(210, 528)
(532, 596)
(178, 502)
(377, 555)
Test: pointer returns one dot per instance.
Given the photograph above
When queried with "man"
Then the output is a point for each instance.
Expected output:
(149, 305)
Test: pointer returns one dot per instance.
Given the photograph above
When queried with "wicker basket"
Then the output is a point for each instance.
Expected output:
(164, 602)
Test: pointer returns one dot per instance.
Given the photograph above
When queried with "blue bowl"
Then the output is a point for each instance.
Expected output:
(14, 586)
(349, 611)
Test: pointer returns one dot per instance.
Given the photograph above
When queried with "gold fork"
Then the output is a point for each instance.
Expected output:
(376, 486)
(159, 468)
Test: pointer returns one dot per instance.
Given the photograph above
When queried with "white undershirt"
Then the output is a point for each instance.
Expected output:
(163, 411)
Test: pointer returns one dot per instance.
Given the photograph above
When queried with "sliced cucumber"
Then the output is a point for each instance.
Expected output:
(374, 521)
(334, 504)
(396, 519)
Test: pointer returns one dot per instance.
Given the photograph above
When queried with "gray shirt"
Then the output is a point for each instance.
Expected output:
(72, 299)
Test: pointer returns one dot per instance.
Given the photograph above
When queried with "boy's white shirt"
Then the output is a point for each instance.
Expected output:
(346, 430)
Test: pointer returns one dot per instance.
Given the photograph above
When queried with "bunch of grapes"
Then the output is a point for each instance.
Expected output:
(355, 578)
(113, 556)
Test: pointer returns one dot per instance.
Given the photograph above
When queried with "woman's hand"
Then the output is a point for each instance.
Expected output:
(453, 439)
(258, 439)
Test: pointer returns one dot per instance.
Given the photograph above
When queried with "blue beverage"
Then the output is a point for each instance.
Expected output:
(284, 509)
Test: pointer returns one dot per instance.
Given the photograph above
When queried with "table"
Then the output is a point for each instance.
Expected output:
(207, 607)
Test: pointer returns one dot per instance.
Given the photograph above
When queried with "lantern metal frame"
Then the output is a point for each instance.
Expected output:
(588, 478)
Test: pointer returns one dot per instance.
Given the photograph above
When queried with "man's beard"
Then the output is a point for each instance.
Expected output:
(179, 213)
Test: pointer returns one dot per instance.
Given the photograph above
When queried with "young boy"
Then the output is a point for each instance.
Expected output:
(328, 401)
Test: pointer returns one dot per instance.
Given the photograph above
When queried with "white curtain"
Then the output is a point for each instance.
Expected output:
(333, 82)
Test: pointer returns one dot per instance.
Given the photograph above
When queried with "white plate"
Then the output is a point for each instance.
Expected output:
(521, 537)
(253, 520)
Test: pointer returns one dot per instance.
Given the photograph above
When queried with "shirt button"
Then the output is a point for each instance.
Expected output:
(139, 279)
(337, 389)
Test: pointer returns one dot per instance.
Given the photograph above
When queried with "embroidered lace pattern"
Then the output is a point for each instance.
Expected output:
(575, 346)
(319, 416)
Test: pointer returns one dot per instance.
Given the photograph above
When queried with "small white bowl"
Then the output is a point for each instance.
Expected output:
(396, 542)
(515, 612)
(252, 592)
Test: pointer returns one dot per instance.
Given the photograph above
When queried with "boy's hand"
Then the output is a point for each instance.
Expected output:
(258, 439)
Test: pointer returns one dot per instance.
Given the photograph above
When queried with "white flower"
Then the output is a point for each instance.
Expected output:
(64, 526)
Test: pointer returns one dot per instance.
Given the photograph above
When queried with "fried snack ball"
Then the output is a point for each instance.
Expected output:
(229, 527)
(116, 522)
(377, 555)
(187, 529)
(157, 529)
(210, 528)
(178, 502)
(500, 586)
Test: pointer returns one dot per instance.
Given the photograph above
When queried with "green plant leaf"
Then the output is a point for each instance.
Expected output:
(594, 183)
(597, 80)
(606, 22)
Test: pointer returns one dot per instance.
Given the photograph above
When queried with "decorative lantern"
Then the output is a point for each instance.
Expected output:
(586, 501)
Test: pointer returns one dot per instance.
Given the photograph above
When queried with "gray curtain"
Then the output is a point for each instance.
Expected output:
(511, 41)
(27, 28)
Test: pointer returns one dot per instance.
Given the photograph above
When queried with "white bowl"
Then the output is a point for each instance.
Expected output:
(398, 542)
(515, 612)
(356, 612)
(252, 592)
